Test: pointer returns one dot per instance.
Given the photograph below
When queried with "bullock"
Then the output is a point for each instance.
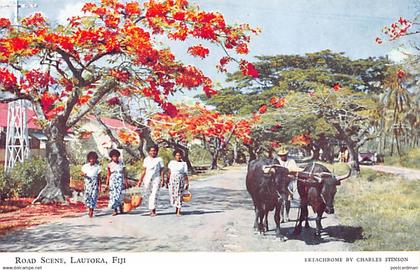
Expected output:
(316, 187)
(266, 182)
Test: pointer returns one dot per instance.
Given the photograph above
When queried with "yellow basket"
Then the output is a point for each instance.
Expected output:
(136, 201)
(127, 207)
(186, 196)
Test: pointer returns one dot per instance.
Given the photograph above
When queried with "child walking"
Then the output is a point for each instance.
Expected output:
(153, 177)
(115, 181)
(91, 172)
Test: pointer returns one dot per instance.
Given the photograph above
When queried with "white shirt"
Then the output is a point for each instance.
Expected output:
(91, 171)
(290, 164)
(116, 167)
(178, 167)
(153, 166)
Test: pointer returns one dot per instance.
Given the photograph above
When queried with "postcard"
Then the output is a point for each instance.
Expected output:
(205, 133)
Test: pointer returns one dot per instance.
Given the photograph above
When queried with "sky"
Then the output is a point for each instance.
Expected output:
(288, 27)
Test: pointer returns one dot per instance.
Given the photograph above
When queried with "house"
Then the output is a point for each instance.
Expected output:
(89, 136)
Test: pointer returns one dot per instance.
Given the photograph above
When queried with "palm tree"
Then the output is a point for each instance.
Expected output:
(397, 102)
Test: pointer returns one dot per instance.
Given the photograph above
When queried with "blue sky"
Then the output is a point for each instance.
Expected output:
(288, 27)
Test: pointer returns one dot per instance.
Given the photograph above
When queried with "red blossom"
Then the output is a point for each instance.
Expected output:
(180, 16)
(47, 101)
(262, 109)
(83, 99)
(248, 69)
(5, 23)
(132, 8)
(378, 40)
(18, 43)
(242, 48)
(7, 79)
(120, 75)
(401, 74)
(169, 109)
(303, 139)
(336, 87)
(209, 91)
(114, 101)
(36, 20)
(198, 50)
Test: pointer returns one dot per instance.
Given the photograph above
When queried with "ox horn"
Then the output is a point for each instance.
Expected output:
(317, 177)
(342, 177)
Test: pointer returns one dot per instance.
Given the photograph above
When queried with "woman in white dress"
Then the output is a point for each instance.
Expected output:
(91, 172)
(153, 177)
(178, 180)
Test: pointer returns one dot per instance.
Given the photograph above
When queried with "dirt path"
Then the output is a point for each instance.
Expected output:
(410, 174)
(219, 218)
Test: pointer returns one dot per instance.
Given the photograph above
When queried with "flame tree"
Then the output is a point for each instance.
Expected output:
(215, 130)
(65, 70)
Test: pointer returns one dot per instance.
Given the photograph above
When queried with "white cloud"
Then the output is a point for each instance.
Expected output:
(69, 10)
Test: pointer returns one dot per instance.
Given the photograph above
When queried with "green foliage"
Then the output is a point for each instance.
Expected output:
(295, 77)
(410, 160)
(199, 156)
(166, 155)
(5, 188)
(134, 169)
(385, 206)
(75, 172)
(25, 180)
(29, 177)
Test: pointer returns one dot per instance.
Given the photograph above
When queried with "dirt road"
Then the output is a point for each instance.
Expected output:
(409, 174)
(219, 218)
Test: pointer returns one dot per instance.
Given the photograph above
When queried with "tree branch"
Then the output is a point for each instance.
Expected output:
(135, 154)
(99, 94)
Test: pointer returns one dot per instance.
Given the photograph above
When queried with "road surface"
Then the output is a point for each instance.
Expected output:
(219, 218)
(409, 174)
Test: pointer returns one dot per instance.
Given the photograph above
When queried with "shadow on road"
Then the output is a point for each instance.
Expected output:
(339, 233)
(59, 239)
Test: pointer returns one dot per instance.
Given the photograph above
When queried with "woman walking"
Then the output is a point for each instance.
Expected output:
(152, 175)
(115, 181)
(178, 180)
(91, 172)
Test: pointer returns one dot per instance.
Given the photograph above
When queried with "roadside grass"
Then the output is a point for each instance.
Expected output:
(387, 207)
(410, 160)
(214, 172)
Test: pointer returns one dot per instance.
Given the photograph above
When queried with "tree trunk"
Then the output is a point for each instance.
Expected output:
(58, 169)
(235, 153)
(252, 154)
(351, 145)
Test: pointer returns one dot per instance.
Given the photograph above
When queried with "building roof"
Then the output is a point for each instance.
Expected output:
(111, 123)
(3, 117)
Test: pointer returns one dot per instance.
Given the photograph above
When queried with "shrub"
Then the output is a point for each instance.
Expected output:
(27, 179)
(134, 169)
(4, 185)
(199, 155)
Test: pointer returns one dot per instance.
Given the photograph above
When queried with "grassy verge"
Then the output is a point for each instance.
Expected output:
(410, 160)
(385, 206)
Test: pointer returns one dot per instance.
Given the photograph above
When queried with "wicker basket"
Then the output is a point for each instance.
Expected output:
(133, 197)
(186, 196)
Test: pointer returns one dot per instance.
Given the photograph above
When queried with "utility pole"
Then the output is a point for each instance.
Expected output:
(17, 137)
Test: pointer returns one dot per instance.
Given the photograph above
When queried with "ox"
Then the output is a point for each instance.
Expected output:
(316, 187)
(267, 183)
